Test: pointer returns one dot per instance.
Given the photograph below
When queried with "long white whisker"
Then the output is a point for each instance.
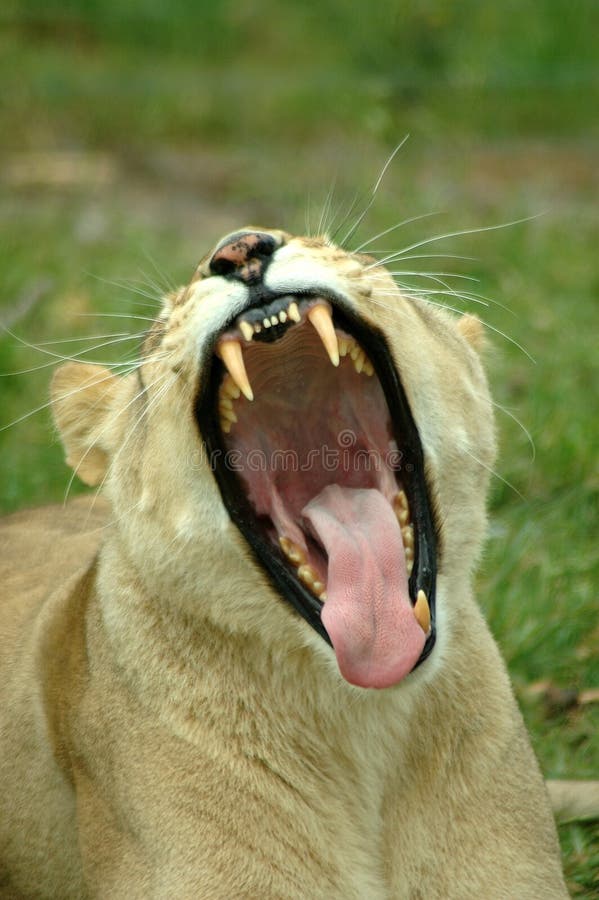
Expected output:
(366, 210)
(451, 234)
(394, 228)
(495, 474)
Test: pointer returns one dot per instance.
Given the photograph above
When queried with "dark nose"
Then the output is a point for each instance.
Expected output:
(243, 255)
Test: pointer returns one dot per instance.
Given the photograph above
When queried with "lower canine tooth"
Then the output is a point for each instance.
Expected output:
(320, 316)
(422, 612)
(232, 355)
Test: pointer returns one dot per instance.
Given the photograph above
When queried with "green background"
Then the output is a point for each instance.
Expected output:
(134, 134)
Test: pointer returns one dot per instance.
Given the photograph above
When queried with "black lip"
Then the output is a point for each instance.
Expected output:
(412, 473)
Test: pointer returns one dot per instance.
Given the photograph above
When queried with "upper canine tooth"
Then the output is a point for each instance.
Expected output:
(422, 611)
(320, 316)
(232, 355)
(293, 312)
(247, 330)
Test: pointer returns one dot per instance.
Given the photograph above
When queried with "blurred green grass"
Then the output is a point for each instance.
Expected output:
(133, 135)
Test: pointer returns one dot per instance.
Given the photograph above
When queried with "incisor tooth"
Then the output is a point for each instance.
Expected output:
(320, 316)
(232, 355)
(422, 612)
(247, 330)
(282, 316)
(266, 322)
(293, 312)
(274, 320)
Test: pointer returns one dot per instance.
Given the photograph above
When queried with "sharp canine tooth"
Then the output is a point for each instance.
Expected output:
(422, 612)
(247, 330)
(320, 316)
(232, 355)
(293, 312)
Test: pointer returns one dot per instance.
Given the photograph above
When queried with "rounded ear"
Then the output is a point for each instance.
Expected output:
(82, 402)
(471, 328)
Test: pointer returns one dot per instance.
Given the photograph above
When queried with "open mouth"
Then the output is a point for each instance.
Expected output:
(320, 466)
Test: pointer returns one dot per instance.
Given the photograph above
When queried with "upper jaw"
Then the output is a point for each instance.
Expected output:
(269, 318)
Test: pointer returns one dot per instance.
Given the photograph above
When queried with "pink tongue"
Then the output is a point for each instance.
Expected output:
(368, 614)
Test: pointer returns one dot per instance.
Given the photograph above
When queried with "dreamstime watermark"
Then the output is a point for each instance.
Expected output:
(350, 455)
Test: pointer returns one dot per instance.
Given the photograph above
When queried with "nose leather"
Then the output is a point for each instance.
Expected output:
(243, 256)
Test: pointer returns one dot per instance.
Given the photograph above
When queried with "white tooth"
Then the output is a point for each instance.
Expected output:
(246, 330)
(320, 316)
(292, 551)
(323, 596)
(343, 346)
(307, 575)
(225, 402)
(318, 588)
(355, 351)
(401, 499)
(409, 565)
(422, 612)
(368, 368)
(257, 327)
(232, 355)
(266, 322)
(293, 312)
(225, 426)
(407, 533)
(359, 363)
(227, 415)
(229, 389)
(282, 316)
(274, 320)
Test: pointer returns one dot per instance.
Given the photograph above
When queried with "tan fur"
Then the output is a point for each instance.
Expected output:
(170, 728)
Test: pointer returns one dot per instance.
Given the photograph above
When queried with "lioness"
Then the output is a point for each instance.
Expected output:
(256, 668)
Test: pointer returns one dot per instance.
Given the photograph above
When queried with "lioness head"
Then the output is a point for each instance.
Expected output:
(302, 451)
